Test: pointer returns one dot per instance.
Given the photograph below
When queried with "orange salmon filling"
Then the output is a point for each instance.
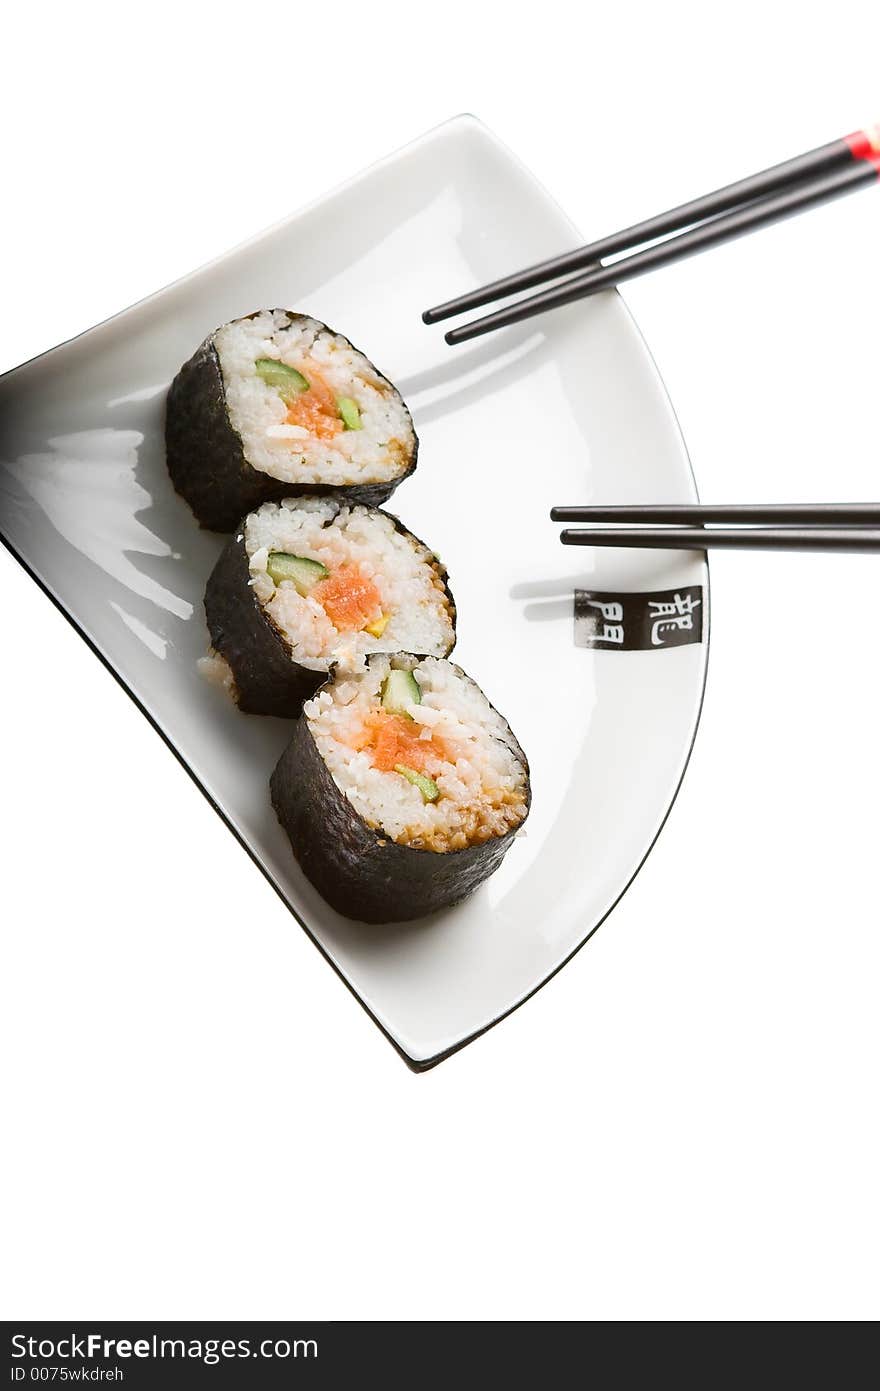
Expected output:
(393, 739)
(349, 599)
(316, 410)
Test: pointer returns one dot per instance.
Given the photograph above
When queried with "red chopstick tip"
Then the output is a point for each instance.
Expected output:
(865, 144)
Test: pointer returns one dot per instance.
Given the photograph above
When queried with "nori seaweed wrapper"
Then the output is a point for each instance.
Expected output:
(361, 872)
(268, 680)
(206, 457)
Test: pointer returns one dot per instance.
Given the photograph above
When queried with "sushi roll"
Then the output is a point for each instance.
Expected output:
(276, 404)
(401, 789)
(309, 582)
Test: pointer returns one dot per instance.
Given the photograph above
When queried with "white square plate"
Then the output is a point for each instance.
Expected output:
(568, 408)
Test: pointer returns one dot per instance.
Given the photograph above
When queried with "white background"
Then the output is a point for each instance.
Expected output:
(683, 1124)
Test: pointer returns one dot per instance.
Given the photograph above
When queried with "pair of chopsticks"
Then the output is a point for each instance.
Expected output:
(840, 526)
(827, 172)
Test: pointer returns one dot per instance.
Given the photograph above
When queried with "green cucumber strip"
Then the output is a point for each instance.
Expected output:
(303, 573)
(400, 689)
(349, 413)
(287, 381)
(427, 786)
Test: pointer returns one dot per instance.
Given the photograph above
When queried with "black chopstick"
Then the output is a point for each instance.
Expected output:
(720, 229)
(837, 154)
(734, 538)
(691, 514)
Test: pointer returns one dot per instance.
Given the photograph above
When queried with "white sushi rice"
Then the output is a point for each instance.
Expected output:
(217, 671)
(482, 786)
(335, 533)
(377, 453)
